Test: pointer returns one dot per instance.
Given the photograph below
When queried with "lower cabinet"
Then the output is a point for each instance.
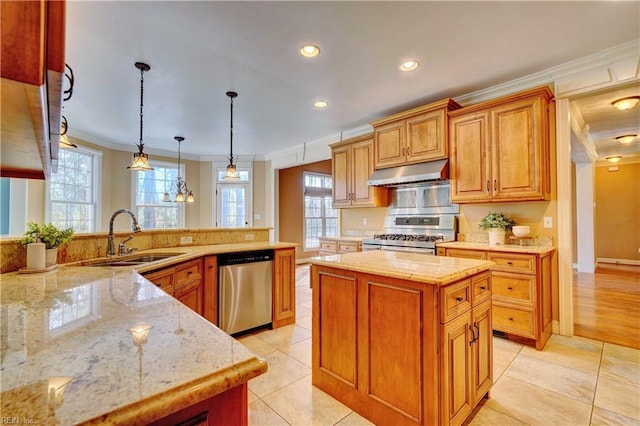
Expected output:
(284, 287)
(401, 352)
(336, 245)
(183, 281)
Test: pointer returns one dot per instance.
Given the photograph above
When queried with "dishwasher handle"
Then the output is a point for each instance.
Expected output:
(244, 257)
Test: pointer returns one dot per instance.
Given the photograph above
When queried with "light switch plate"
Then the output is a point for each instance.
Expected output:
(186, 240)
(548, 222)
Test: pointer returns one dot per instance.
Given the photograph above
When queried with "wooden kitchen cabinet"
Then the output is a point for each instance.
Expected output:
(401, 352)
(284, 287)
(334, 245)
(500, 149)
(33, 66)
(413, 136)
(183, 281)
(352, 165)
(521, 293)
(211, 289)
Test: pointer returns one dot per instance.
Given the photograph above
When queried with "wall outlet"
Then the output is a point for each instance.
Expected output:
(248, 237)
(364, 221)
(186, 240)
(548, 222)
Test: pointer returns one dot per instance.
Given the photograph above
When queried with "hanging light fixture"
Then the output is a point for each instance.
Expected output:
(232, 172)
(140, 159)
(626, 103)
(183, 193)
(626, 139)
(64, 140)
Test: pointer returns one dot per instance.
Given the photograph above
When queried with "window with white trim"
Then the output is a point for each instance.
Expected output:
(148, 190)
(233, 200)
(320, 218)
(74, 190)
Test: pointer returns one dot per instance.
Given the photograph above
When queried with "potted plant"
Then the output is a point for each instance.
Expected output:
(50, 235)
(497, 224)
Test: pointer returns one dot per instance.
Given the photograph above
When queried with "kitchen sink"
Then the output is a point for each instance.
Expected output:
(132, 260)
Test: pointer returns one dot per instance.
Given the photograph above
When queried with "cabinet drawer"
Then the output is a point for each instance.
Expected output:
(347, 247)
(512, 320)
(163, 279)
(188, 270)
(328, 246)
(523, 263)
(481, 288)
(513, 287)
(466, 254)
(455, 299)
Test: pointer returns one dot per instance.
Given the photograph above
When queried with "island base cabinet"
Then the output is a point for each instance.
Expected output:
(376, 347)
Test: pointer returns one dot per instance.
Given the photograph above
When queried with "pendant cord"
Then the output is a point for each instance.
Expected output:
(231, 133)
(141, 145)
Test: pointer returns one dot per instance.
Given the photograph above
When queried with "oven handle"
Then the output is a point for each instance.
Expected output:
(409, 249)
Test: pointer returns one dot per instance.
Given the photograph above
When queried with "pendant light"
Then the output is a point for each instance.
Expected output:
(232, 172)
(140, 159)
(64, 140)
(183, 193)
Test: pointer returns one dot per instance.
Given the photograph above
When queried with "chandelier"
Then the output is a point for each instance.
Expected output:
(179, 187)
(140, 159)
(232, 172)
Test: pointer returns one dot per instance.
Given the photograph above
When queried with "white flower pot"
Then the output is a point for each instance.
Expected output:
(51, 257)
(496, 236)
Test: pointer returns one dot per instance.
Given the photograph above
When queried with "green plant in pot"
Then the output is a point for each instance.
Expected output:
(52, 237)
(497, 224)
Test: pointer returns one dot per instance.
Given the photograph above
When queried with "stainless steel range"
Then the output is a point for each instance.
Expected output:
(416, 220)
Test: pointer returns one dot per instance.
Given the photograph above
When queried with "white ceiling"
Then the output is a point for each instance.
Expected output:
(200, 50)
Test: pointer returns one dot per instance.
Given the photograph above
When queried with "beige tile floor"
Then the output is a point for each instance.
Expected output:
(573, 381)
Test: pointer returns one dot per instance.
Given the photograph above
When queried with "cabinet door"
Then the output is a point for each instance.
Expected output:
(341, 172)
(516, 146)
(466, 254)
(191, 294)
(211, 289)
(469, 167)
(284, 287)
(361, 170)
(390, 146)
(165, 279)
(481, 350)
(426, 137)
(456, 378)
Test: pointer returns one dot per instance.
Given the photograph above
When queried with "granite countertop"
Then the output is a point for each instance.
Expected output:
(73, 324)
(424, 268)
(510, 248)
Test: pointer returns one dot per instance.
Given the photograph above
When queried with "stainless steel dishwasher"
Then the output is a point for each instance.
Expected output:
(245, 290)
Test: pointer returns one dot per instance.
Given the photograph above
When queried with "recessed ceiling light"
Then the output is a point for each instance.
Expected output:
(309, 50)
(409, 65)
(321, 104)
(626, 139)
(614, 158)
(626, 103)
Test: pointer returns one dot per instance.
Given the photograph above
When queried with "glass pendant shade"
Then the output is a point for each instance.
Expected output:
(190, 198)
(626, 103)
(66, 143)
(232, 172)
(140, 161)
(179, 198)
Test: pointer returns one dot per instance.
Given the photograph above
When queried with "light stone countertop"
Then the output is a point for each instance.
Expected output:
(349, 239)
(73, 322)
(508, 248)
(424, 268)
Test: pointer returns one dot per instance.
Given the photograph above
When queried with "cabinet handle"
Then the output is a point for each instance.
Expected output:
(189, 272)
(509, 288)
(475, 325)
(210, 266)
(459, 299)
(509, 263)
(473, 335)
(495, 186)
(482, 287)
(487, 185)
(510, 319)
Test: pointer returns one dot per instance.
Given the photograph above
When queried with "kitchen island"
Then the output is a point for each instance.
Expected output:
(103, 345)
(402, 338)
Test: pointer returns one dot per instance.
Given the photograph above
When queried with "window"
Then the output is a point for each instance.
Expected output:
(320, 218)
(233, 200)
(73, 197)
(148, 189)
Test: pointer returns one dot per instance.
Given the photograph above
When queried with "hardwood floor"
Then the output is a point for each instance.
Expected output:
(607, 304)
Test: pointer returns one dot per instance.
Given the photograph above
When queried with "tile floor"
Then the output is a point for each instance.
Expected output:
(573, 381)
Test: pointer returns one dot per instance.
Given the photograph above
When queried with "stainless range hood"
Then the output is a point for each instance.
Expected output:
(430, 172)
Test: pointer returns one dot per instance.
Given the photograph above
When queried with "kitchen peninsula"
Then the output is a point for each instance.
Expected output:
(402, 338)
(103, 345)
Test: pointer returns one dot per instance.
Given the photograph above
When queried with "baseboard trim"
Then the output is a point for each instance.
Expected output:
(618, 261)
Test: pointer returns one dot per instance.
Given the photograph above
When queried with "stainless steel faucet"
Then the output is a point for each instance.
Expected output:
(111, 247)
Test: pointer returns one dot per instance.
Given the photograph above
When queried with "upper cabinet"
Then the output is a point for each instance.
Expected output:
(413, 136)
(499, 149)
(352, 164)
(33, 38)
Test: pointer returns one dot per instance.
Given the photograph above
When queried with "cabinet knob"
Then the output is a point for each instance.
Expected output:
(210, 266)
(482, 287)
(189, 272)
(509, 263)
(510, 319)
(459, 299)
(509, 288)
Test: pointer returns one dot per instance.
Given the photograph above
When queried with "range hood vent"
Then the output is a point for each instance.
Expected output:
(432, 172)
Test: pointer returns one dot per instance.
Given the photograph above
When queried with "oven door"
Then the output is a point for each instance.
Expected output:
(422, 250)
